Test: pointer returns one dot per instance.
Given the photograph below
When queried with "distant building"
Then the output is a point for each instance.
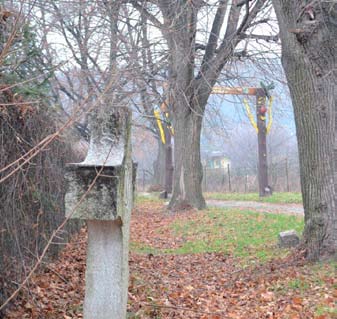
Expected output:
(213, 160)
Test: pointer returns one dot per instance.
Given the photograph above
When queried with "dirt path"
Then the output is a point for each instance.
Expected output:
(296, 209)
(258, 206)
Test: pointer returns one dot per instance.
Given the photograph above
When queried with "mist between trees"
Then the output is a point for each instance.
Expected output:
(284, 176)
(237, 156)
(228, 139)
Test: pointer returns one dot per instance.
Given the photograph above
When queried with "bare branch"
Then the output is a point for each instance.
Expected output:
(243, 2)
(267, 38)
(214, 35)
(148, 15)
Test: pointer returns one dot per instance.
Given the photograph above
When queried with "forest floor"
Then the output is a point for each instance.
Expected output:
(216, 263)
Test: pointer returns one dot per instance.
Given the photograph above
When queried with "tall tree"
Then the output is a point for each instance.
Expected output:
(308, 31)
(194, 67)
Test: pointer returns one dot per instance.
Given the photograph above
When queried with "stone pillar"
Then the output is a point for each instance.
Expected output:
(106, 208)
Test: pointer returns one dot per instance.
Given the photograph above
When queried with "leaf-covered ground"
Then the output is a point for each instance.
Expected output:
(211, 264)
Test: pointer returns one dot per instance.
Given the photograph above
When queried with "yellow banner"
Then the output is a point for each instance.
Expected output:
(160, 126)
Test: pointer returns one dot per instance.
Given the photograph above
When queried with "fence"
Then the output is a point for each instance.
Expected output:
(284, 176)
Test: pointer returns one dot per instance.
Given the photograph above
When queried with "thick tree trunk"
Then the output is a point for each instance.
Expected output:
(180, 18)
(188, 169)
(309, 57)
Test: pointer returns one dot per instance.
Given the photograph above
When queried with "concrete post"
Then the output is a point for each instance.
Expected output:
(106, 208)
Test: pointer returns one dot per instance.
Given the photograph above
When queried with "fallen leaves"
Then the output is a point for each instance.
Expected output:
(268, 296)
(205, 285)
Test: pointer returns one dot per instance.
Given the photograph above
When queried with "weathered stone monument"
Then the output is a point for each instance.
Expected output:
(103, 186)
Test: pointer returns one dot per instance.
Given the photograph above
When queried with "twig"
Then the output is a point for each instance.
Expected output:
(56, 273)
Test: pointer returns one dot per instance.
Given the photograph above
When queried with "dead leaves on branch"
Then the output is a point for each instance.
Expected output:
(12, 104)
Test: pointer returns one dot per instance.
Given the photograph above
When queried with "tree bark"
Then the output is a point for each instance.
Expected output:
(187, 178)
(187, 113)
(309, 57)
(168, 163)
(159, 165)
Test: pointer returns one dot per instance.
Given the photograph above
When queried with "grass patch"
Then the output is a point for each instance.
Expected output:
(325, 311)
(240, 233)
(277, 198)
(298, 284)
(140, 248)
(246, 234)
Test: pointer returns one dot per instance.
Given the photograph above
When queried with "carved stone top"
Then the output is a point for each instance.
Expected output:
(108, 137)
(102, 183)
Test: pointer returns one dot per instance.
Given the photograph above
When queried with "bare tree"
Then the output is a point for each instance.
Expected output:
(104, 38)
(194, 67)
(308, 32)
(84, 38)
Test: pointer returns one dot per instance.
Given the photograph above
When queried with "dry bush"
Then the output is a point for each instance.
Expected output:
(32, 200)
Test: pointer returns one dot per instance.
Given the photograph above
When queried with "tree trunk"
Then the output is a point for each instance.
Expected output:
(168, 163)
(180, 18)
(159, 165)
(187, 176)
(309, 57)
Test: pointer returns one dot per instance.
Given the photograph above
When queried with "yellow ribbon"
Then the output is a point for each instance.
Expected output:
(270, 116)
(251, 116)
(160, 126)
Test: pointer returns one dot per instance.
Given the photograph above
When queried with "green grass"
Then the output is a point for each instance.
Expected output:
(298, 284)
(140, 248)
(313, 279)
(236, 232)
(321, 271)
(280, 198)
(244, 234)
(324, 310)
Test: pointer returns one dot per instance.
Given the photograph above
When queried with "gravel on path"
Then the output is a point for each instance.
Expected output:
(259, 206)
